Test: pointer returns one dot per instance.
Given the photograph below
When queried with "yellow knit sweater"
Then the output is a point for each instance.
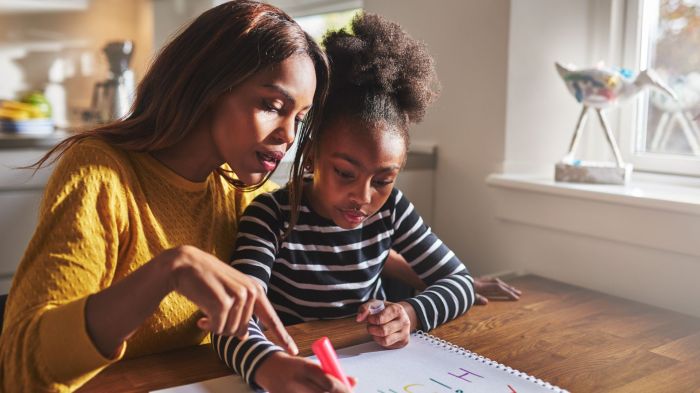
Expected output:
(105, 213)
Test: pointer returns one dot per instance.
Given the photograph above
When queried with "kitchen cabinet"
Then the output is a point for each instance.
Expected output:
(20, 195)
(17, 223)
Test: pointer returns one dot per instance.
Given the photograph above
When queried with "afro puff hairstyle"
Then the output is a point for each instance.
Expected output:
(378, 74)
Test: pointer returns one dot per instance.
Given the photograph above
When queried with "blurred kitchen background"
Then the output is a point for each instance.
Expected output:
(57, 47)
(84, 58)
(481, 163)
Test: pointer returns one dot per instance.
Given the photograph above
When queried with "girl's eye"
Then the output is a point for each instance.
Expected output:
(343, 174)
(383, 183)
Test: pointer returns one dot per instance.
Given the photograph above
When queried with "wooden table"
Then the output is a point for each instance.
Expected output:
(579, 339)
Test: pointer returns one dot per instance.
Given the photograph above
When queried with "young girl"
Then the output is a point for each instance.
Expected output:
(328, 263)
(138, 214)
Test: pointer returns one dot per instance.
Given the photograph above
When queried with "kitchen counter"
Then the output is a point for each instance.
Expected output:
(19, 141)
(421, 155)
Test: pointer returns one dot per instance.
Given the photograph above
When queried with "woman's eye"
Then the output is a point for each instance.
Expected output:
(270, 107)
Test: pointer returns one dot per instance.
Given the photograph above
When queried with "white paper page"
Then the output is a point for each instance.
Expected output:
(423, 366)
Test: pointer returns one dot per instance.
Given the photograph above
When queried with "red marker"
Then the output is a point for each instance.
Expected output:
(329, 360)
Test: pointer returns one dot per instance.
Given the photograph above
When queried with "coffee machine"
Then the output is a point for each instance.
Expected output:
(112, 98)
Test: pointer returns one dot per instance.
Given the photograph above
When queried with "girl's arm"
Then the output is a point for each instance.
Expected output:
(259, 232)
(450, 287)
(256, 359)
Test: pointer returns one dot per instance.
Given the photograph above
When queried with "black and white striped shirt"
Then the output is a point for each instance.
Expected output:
(322, 271)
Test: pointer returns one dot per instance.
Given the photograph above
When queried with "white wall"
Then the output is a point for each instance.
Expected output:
(469, 40)
(540, 113)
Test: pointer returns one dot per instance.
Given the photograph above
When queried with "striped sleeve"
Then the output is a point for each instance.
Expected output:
(259, 232)
(245, 356)
(450, 290)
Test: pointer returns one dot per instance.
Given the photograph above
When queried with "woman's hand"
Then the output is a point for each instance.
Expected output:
(227, 297)
(390, 327)
(494, 288)
(284, 373)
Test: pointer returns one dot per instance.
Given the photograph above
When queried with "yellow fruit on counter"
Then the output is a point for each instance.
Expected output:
(14, 114)
(39, 101)
(32, 111)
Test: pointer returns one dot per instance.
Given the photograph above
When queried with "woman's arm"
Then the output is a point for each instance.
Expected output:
(397, 268)
(67, 316)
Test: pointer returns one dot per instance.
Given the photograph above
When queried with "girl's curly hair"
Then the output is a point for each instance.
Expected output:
(378, 74)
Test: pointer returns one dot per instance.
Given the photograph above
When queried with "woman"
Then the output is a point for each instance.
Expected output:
(135, 220)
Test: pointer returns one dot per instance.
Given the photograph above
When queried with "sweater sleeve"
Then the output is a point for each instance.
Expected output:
(44, 344)
(450, 290)
(259, 233)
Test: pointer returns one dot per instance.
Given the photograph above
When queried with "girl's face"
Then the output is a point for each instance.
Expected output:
(255, 124)
(354, 171)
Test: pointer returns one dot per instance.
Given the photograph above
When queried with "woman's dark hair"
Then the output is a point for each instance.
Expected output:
(378, 74)
(217, 52)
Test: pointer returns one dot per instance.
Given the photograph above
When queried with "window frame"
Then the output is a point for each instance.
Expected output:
(638, 17)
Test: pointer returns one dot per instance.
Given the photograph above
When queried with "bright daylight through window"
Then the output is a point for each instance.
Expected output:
(668, 131)
(317, 25)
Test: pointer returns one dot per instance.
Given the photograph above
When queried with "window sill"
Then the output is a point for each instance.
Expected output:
(655, 211)
(670, 193)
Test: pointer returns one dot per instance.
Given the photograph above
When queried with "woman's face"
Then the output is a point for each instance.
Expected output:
(354, 171)
(255, 124)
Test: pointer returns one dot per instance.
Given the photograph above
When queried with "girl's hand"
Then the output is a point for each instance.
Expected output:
(284, 373)
(390, 327)
(494, 288)
(226, 296)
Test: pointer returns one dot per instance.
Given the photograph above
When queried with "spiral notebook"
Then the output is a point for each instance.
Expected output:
(430, 364)
(426, 364)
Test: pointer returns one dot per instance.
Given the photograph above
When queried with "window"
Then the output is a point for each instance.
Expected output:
(315, 17)
(318, 16)
(318, 25)
(664, 135)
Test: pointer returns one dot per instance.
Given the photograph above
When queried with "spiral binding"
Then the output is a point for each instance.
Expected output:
(491, 363)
